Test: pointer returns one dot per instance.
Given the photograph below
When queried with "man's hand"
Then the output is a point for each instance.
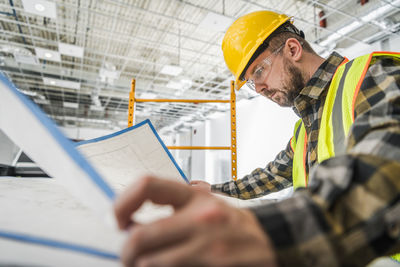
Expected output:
(203, 231)
(201, 184)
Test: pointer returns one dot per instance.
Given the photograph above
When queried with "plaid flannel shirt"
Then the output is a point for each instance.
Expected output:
(350, 212)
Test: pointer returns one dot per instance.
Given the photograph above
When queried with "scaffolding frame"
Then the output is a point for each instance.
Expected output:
(232, 101)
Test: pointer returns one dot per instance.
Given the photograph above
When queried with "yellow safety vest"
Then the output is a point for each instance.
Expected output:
(337, 118)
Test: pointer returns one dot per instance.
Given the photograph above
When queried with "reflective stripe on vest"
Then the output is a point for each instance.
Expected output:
(299, 147)
(337, 116)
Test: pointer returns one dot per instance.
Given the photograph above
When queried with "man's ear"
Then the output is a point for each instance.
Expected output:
(293, 49)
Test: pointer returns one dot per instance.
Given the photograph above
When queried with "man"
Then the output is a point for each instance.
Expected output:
(344, 160)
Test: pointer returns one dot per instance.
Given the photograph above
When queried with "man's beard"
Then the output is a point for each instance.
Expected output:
(291, 86)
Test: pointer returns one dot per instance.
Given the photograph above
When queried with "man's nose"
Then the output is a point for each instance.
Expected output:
(260, 87)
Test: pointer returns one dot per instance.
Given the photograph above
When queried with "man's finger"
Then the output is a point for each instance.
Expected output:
(151, 237)
(188, 253)
(158, 191)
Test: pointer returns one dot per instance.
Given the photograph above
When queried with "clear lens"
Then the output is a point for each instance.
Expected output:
(251, 85)
(262, 71)
(259, 75)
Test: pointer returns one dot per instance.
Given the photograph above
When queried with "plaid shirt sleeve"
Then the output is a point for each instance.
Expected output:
(276, 176)
(350, 212)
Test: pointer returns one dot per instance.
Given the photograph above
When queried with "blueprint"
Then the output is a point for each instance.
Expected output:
(125, 156)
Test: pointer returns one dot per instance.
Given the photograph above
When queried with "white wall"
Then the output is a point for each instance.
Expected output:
(184, 157)
(218, 162)
(394, 44)
(264, 129)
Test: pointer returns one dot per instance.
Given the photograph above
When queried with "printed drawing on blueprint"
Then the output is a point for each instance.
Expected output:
(127, 155)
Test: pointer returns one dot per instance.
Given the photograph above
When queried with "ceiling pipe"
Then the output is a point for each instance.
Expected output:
(14, 14)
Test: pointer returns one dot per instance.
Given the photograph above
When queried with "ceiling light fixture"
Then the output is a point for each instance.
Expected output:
(171, 70)
(178, 93)
(26, 59)
(41, 101)
(39, 7)
(70, 105)
(71, 50)
(186, 118)
(148, 95)
(215, 115)
(215, 22)
(186, 83)
(174, 85)
(62, 83)
(180, 85)
(47, 54)
(108, 73)
(25, 92)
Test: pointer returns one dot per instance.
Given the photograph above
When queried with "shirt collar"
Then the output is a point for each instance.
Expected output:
(318, 83)
(322, 77)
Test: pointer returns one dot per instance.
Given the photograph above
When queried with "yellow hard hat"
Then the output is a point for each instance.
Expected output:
(244, 36)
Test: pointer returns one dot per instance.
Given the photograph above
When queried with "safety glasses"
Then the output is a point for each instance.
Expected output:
(262, 70)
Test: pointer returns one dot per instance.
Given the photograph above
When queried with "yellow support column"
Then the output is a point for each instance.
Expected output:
(131, 103)
(233, 132)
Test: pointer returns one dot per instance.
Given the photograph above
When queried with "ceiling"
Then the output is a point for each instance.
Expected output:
(76, 58)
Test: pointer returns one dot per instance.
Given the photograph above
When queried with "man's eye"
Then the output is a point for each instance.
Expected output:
(258, 72)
